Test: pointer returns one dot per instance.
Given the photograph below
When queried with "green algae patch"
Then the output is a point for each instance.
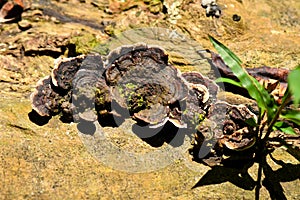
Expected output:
(85, 43)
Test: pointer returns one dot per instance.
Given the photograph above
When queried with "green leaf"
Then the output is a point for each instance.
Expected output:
(294, 84)
(251, 122)
(228, 80)
(254, 88)
(284, 127)
(292, 115)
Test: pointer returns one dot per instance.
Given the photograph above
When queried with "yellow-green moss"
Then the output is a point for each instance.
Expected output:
(85, 42)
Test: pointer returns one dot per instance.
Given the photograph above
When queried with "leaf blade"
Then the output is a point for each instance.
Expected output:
(228, 80)
(294, 84)
(254, 88)
(284, 127)
(291, 115)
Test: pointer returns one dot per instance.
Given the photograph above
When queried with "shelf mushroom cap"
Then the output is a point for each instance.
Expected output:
(64, 71)
(45, 101)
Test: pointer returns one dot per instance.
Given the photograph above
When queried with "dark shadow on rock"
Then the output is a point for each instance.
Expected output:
(156, 137)
(110, 120)
(86, 127)
(37, 119)
(64, 18)
(292, 150)
(272, 183)
(288, 172)
(66, 119)
(220, 174)
(46, 52)
(236, 172)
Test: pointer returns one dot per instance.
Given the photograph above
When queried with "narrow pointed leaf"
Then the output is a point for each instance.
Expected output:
(251, 122)
(284, 127)
(294, 84)
(254, 88)
(228, 80)
(291, 115)
(222, 47)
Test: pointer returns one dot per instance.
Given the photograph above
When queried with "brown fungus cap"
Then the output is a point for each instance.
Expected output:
(202, 93)
(45, 101)
(122, 59)
(64, 71)
(231, 129)
(144, 83)
(53, 94)
(89, 89)
(197, 79)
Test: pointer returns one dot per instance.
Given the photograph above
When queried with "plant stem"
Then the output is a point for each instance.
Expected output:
(261, 154)
(262, 143)
(258, 181)
(273, 121)
(260, 117)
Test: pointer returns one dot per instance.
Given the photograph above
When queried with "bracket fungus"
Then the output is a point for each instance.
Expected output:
(143, 82)
(90, 93)
(53, 94)
(64, 71)
(227, 127)
(45, 100)
(236, 133)
(138, 81)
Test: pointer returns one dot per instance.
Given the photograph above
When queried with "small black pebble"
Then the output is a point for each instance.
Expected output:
(236, 17)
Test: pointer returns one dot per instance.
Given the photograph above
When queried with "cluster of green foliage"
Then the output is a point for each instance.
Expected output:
(271, 116)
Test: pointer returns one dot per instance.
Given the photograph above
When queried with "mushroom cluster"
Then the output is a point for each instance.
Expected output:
(227, 128)
(229, 125)
(137, 81)
(53, 93)
(132, 81)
